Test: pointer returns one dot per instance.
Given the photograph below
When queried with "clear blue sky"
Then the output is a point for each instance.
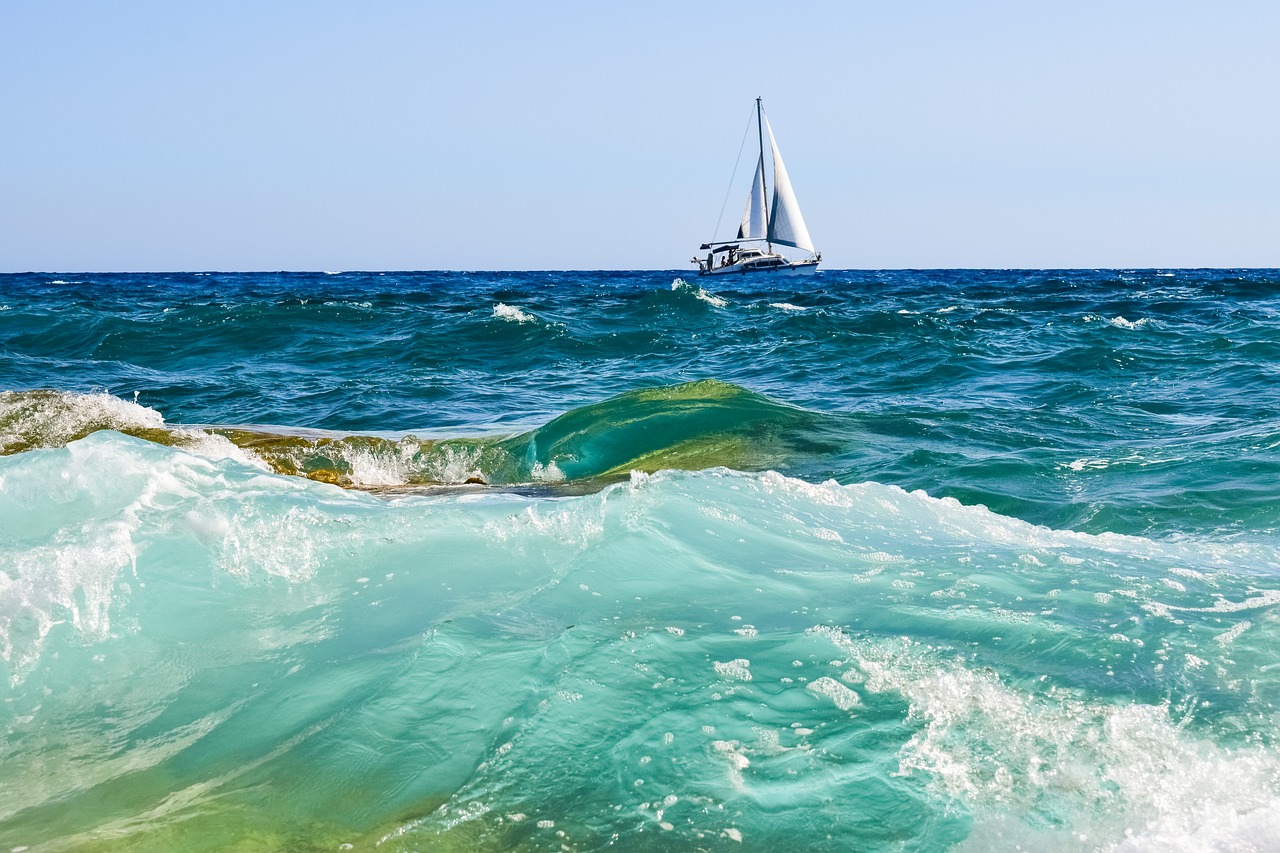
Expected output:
(147, 135)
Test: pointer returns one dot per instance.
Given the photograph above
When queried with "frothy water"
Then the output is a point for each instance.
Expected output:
(742, 643)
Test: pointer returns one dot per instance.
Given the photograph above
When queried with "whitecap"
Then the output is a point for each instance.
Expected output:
(682, 286)
(1122, 323)
(512, 313)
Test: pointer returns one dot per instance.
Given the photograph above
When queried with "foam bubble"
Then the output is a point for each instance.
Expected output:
(844, 698)
(734, 670)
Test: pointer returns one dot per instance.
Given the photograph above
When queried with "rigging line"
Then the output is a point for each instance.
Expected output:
(729, 188)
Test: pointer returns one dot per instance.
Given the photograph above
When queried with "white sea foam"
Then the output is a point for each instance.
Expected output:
(682, 286)
(1134, 459)
(72, 581)
(454, 464)
(214, 446)
(51, 419)
(787, 306)
(844, 698)
(372, 469)
(1122, 323)
(577, 525)
(1129, 777)
(734, 670)
(1265, 598)
(1230, 635)
(512, 313)
(91, 554)
(97, 493)
(1118, 321)
(290, 544)
(549, 473)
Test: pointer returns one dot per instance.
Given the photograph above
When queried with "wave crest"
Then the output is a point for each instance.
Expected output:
(694, 425)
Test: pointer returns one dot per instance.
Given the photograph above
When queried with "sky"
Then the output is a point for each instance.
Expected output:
(385, 135)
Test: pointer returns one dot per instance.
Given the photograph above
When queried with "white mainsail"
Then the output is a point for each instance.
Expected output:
(786, 226)
(754, 219)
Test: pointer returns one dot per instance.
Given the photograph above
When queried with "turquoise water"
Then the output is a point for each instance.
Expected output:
(912, 560)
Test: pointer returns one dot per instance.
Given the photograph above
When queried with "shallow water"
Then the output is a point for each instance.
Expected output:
(907, 560)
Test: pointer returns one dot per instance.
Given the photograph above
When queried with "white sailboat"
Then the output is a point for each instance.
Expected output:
(764, 226)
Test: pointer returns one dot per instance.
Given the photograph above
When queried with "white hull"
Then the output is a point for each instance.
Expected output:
(798, 268)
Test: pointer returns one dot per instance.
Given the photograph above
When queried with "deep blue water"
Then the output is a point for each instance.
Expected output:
(910, 560)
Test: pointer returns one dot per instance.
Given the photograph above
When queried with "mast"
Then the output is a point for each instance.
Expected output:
(768, 220)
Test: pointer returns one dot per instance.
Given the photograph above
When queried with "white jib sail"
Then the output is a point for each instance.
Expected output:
(753, 217)
(787, 226)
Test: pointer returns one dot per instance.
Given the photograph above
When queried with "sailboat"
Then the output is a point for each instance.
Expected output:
(778, 223)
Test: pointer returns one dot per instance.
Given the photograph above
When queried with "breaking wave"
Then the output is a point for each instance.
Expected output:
(694, 425)
(325, 667)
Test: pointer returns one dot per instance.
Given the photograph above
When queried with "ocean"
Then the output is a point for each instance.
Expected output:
(904, 560)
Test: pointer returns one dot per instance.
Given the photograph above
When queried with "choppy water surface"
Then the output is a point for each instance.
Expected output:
(420, 561)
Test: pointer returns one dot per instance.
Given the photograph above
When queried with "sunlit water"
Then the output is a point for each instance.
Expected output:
(422, 561)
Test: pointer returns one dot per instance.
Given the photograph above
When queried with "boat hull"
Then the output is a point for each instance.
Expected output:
(800, 268)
